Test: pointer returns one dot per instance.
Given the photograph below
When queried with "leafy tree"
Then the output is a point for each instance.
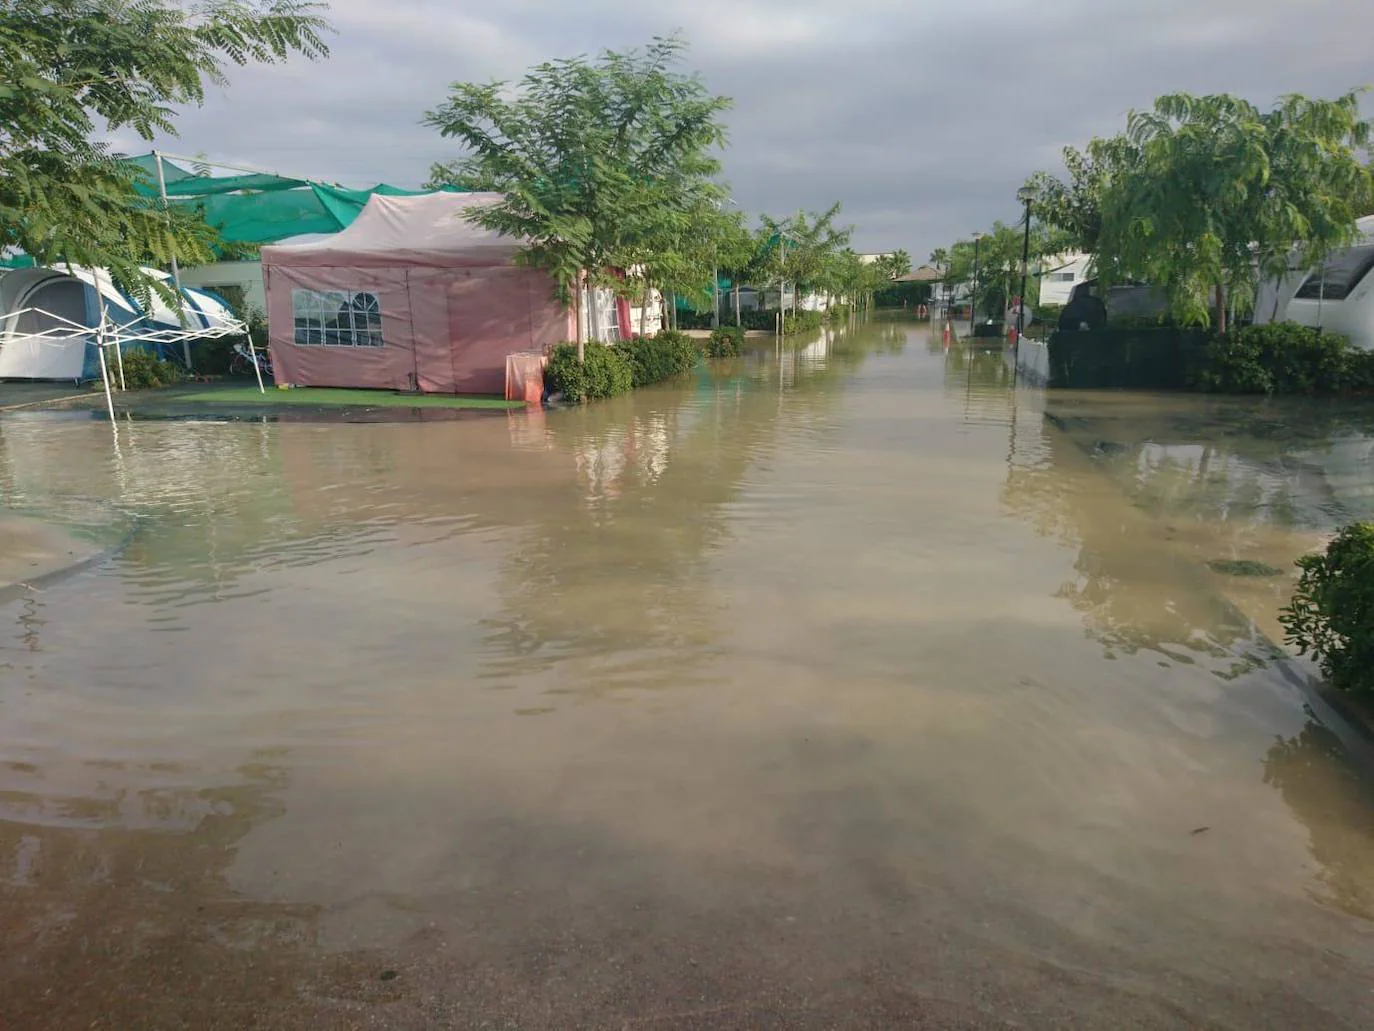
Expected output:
(1206, 195)
(803, 244)
(70, 68)
(897, 263)
(1073, 206)
(677, 247)
(589, 154)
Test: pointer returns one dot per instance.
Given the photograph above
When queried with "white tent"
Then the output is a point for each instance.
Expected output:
(49, 318)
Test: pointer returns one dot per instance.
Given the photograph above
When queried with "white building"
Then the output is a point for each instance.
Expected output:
(1060, 274)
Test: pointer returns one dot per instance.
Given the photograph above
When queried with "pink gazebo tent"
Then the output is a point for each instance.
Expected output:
(411, 296)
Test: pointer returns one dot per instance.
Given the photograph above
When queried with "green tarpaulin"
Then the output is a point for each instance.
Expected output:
(258, 208)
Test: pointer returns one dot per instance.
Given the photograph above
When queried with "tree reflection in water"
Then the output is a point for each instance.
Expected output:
(1335, 801)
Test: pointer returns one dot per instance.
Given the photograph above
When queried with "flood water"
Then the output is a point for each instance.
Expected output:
(852, 688)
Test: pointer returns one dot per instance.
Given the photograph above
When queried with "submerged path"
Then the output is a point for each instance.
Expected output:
(851, 687)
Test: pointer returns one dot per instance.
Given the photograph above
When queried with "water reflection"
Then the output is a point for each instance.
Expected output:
(1335, 800)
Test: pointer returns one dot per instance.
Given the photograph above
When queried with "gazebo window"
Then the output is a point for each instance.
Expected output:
(337, 318)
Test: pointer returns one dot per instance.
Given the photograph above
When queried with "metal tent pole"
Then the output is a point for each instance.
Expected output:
(105, 370)
(253, 353)
(176, 272)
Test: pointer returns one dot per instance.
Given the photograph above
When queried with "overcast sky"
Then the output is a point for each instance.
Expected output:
(921, 116)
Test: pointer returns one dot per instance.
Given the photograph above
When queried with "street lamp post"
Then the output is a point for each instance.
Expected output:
(1026, 198)
(973, 291)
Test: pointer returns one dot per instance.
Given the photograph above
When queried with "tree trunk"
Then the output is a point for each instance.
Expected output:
(577, 309)
(644, 309)
(1221, 308)
(737, 316)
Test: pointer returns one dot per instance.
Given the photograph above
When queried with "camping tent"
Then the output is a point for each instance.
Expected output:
(48, 320)
(410, 296)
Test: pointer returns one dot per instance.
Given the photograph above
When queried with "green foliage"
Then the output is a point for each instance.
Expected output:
(803, 249)
(996, 260)
(601, 163)
(1071, 209)
(693, 319)
(1279, 358)
(755, 318)
(839, 312)
(212, 356)
(1331, 615)
(1206, 195)
(605, 373)
(902, 295)
(75, 69)
(801, 322)
(143, 370)
(725, 342)
(656, 358)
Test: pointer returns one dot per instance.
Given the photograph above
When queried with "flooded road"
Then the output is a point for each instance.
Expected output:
(857, 688)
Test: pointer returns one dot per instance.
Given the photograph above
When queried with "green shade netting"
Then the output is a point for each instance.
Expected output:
(258, 208)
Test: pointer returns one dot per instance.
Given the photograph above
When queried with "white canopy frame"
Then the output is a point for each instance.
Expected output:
(109, 334)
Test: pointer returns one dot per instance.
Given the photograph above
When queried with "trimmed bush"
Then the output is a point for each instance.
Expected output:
(1331, 615)
(605, 373)
(143, 370)
(753, 318)
(801, 322)
(656, 358)
(1277, 358)
(725, 342)
(687, 319)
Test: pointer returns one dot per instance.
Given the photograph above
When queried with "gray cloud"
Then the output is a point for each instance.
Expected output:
(922, 118)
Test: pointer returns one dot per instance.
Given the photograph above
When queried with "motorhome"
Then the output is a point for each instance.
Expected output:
(1337, 297)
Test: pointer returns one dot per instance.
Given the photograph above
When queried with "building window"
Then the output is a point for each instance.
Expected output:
(1337, 279)
(337, 318)
(1062, 277)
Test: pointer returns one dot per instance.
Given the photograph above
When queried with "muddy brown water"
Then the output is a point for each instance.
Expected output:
(855, 688)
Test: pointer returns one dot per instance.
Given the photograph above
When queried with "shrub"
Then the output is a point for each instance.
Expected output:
(660, 357)
(801, 322)
(1232, 364)
(753, 318)
(1332, 611)
(605, 373)
(1277, 358)
(838, 312)
(211, 356)
(725, 342)
(688, 319)
(144, 370)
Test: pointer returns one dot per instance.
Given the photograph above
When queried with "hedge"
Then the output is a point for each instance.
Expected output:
(801, 322)
(1278, 358)
(605, 373)
(656, 358)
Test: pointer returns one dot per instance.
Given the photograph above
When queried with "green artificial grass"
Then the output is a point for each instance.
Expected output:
(342, 397)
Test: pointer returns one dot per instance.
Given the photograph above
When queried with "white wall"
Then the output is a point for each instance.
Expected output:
(246, 275)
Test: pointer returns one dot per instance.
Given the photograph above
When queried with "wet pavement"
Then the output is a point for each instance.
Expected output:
(856, 687)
